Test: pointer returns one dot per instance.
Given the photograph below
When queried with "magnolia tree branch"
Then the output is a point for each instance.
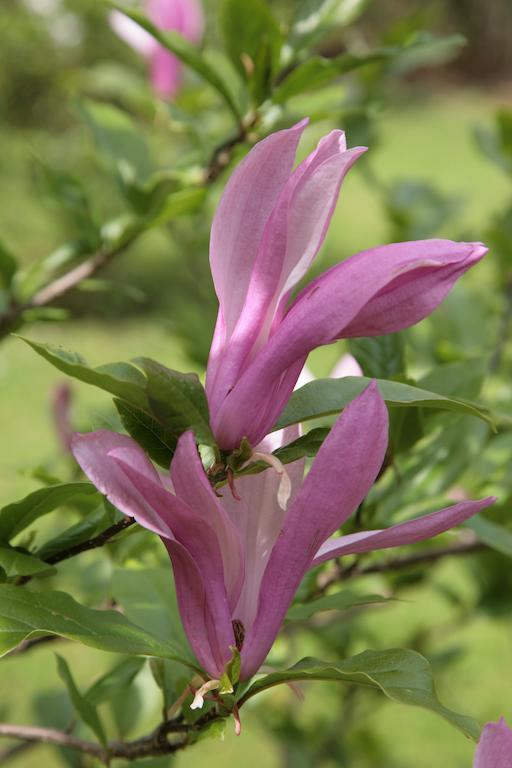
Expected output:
(154, 744)
(220, 159)
(466, 545)
(96, 541)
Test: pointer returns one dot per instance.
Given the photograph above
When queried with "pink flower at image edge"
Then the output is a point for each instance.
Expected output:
(495, 746)
(182, 16)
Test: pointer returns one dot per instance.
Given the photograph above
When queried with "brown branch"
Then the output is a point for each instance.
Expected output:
(470, 543)
(154, 744)
(97, 541)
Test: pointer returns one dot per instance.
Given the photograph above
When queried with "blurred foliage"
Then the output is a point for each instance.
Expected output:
(107, 167)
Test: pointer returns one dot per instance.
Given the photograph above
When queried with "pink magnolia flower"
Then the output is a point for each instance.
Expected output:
(268, 227)
(495, 746)
(238, 562)
(183, 16)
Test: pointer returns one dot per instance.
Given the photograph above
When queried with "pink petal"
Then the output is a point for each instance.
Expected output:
(495, 746)
(240, 219)
(166, 73)
(291, 239)
(259, 519)
(403, 533)
(93, 453)
(192, 485)
(196, 535)
(344, 470)
(377, 291)
(119, 468)
(132, 33)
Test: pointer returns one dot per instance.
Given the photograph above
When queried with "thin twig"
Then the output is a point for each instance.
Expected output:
(338, 572)
(9, 319)
(154, 744)
(97, 541)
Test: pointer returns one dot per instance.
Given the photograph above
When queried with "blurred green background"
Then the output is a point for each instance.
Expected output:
(426, 175)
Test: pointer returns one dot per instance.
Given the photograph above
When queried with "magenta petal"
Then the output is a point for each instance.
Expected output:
(495, 746)
(93, 453)
(290, 241)
(242, 214)
(344, 470)
(191, 484)
(200, 541)
(377, 291)
(403, 533)
(193, 605)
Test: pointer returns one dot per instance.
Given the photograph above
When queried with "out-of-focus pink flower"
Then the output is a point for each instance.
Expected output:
(495, 746)
(60, 409)
(238, 561)
(182, 16)
(268, 228)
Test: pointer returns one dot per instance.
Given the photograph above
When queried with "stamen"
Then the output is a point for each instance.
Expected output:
(285, 486)
(231, 483)
(201, 692)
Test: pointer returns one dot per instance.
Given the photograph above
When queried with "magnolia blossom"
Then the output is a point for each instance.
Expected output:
(268, 227)
(495, 746)
(238, 562)
(183, 16)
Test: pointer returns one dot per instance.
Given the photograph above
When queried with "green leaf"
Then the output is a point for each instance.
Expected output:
(314, 17)
(252, 41)
(180, 203)
(462, 379)
(84, 709)
(123, 380)
(340, 601)
(19, 514)
(118, 137)
(404, 676)
(93, 523)
(380, 356)
(186, 52)
(25, 614)
(231, 673)
(317, 72)
(178, 400)
(68, 192)
(148, 598)
(492, 534)
(325, 397)
(17, 563)
(158, 442)
(116, 679)
(8, 266)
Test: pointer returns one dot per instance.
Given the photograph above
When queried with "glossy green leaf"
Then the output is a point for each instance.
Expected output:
(306, 445)
(148, 599)
(158, 442)
(85, 710)
(252, 41)
(314, 17)
(186, 52)
(381, 357)
(118, 137)
(25, 614)
(123, 380)
(317, 71)
(340, 601)
(404, 676)
(18, 563)
(115, 680)
(18, 515)
(492, 534)
(325, 397)
(177, 400)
